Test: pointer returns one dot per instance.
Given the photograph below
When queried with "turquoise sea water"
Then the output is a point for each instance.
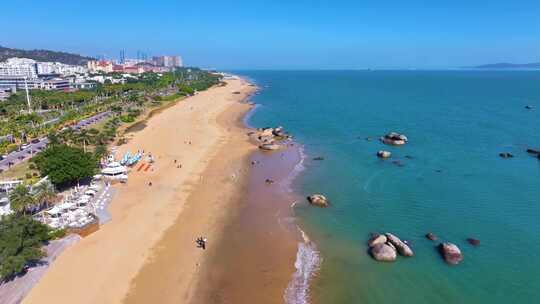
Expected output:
(455, 185)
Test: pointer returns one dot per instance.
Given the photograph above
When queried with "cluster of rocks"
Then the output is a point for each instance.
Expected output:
(385, 247)
(318, 200)
(269, 139)
(394, 138)
(450, 251)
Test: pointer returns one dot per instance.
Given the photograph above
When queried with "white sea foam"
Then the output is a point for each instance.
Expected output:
(308, 261)
(286, 183)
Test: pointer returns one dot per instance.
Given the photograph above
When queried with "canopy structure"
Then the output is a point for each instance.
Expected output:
(54, 210)
(114, 169)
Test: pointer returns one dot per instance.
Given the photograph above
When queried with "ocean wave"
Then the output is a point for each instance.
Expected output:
(286, 183)
(308, 261)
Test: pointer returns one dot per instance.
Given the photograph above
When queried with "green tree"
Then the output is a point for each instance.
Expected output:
(21, 199)
(21, 239)
(65, 165)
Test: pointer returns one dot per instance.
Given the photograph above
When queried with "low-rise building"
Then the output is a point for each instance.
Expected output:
(100, 66)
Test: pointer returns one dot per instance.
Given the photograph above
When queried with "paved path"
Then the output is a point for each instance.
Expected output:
(14, 291)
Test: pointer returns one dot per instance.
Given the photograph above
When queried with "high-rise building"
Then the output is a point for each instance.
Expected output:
(167, 61)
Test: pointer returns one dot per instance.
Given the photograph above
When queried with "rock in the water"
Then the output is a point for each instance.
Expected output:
(269, 147)
(431, 236)
(533, 151)
(451, 253)
(394, 138)
(401, 247)
(474, 242)
(506, 155)
(384, 154)
(318, 200)
(383, 253)
(377, 239)
(318, 158)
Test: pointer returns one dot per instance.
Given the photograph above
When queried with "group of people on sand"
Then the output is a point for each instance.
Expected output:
(201, 242)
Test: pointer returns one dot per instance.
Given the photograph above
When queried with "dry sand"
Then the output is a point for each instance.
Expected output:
(204, 135)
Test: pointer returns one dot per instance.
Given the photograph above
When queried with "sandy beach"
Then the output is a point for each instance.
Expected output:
(125, 259)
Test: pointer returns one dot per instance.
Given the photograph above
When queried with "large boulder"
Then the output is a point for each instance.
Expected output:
(401, 247)
(383, 253)
(267, 132)
(377, 239)
(384, 154)
(394, 138)
(269, 147)
(451, 253)
(318, 200)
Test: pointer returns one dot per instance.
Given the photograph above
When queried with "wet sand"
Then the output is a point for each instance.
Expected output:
(254, 260)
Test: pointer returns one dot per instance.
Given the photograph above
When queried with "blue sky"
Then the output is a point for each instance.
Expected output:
(229, 34)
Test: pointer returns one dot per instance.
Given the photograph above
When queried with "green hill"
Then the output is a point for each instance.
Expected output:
(44, 55)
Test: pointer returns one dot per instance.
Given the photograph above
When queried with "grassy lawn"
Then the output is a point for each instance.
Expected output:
(18, 171)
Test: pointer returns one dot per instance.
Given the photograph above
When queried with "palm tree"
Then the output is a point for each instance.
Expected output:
(66, 135)
(85, 138)
(20, 199)
(44, 192)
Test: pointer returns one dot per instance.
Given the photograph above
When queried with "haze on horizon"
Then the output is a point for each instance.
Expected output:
(301, 34)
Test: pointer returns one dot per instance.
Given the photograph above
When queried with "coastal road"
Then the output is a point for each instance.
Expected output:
(28, 152)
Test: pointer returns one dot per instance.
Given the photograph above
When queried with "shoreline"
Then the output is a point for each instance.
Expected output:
(102, 267)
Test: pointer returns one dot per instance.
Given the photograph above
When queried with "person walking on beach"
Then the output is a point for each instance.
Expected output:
(201, 242)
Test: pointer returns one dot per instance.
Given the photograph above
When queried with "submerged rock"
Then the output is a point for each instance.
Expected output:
(377, 239)
(384, 154)
(318, 200)
(430, 236)
(474, 242)
(401, 247)
(506, 155)
(451, 253)
(383, 253)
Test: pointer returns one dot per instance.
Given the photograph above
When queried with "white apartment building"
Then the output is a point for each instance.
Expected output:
(19, 67)
(59, 68)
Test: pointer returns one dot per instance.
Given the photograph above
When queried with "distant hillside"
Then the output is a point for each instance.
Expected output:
(505, 65)
(44, 55)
